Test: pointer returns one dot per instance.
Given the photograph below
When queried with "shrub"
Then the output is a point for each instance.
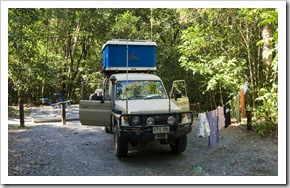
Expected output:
(266, 129)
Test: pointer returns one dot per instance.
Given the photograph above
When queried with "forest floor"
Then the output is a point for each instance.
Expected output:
(53, 149)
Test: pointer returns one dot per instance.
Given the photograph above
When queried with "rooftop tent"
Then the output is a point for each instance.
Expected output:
(141, 55)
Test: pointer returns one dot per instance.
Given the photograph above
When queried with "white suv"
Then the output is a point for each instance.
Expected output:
(136, 108)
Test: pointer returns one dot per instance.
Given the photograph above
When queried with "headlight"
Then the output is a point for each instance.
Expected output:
(150, 121)
(170, 120)
(125, 118)
(135, 120)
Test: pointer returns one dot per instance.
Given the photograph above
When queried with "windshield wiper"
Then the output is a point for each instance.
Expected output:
(136, 97)
(157, 96)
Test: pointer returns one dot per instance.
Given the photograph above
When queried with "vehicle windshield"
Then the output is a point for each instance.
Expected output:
(140, 89)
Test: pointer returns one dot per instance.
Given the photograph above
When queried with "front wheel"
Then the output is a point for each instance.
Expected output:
(179, 145)
(120, 144)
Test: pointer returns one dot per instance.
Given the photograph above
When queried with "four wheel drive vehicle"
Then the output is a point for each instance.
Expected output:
(136, 108)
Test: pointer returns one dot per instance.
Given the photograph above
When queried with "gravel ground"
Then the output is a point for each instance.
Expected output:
(53, 149)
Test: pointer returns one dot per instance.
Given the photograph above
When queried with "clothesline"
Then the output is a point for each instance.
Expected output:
(245, 88)
(209, 123)
(239, 94)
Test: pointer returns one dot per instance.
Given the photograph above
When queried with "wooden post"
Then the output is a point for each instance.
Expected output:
(21, 109)
(63, 114)
(21, 112)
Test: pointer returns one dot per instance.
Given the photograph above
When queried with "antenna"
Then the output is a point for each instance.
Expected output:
(151, 22)
(169, 101)
(127, 79)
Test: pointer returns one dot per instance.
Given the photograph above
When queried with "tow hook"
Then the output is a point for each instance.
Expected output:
(161, 137)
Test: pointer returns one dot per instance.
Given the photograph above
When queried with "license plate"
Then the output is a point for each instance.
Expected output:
(157, 130)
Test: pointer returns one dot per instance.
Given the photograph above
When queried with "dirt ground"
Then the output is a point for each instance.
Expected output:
(53, 149)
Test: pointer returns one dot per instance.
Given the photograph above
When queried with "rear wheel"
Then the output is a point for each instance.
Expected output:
(179, 145)
(120, 144)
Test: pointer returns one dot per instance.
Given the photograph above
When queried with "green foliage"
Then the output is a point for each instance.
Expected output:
(211, 50)
(14, 112)
(126, 26)
(270, 17)
(266, 129)
(222, 48)
(268, 110)
(215, 50)
(268, 94)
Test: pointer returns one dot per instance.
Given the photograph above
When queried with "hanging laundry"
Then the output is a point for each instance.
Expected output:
(202, 125)
(246, 87)
(227, 114)
(237, 109)
(242, 102)
(216, 125)
(213, 125)
(221, 117)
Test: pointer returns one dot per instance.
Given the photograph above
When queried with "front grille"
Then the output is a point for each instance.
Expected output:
(159, 119)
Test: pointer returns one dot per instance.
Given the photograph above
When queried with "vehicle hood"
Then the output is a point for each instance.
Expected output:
(147, 106)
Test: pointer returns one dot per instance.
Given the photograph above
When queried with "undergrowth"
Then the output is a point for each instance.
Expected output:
(14, 111)
(266, 129)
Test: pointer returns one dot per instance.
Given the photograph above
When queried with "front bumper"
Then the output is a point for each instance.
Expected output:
(145, 132)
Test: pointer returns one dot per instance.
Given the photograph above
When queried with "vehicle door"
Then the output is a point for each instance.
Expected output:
(179, 96)
(95, 112)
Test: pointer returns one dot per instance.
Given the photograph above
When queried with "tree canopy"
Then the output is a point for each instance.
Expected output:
(216, 51)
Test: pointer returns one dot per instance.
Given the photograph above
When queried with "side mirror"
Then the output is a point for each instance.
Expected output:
(177, 96)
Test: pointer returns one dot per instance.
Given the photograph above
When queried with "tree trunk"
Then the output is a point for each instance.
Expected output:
(221, 94)
(42, 89)
(214, 102)
(247, 43)
(251, 77)
(267, 55)
(250, 66)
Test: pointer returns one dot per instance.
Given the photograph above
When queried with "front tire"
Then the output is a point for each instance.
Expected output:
(120, 144)
(179, 145)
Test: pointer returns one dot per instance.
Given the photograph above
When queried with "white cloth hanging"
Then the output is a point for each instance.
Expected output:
(202, 125)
